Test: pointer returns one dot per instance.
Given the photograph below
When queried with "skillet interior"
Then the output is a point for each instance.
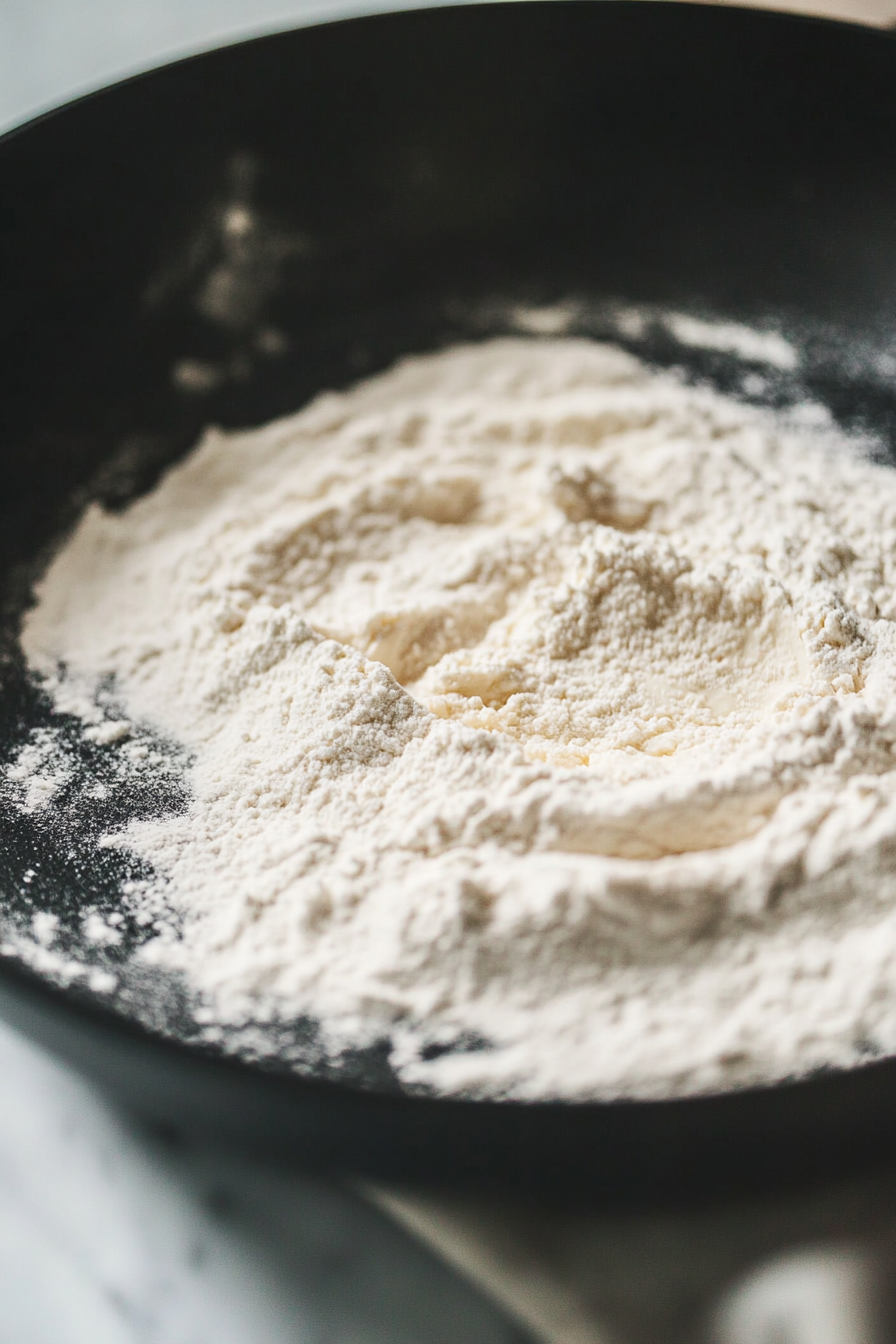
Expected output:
(413, 179)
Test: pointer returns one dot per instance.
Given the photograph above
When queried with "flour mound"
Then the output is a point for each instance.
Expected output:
(535, 698)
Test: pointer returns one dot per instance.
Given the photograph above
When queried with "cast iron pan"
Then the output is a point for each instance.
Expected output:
(219, 240)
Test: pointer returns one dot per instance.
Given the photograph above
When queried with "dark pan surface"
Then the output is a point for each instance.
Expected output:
(412, 179)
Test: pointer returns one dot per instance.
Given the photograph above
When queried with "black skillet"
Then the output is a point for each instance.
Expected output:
(219, 239)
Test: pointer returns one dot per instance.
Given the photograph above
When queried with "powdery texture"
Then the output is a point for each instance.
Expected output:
(535, 698)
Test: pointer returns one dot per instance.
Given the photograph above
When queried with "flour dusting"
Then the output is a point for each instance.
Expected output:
(541, 710)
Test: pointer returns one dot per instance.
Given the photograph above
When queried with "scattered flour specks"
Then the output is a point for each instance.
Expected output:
(534, 698)
(38, 772)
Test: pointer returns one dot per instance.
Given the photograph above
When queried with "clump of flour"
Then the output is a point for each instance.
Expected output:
(534, 698)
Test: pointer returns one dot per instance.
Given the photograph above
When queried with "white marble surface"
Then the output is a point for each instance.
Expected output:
(109, 1237)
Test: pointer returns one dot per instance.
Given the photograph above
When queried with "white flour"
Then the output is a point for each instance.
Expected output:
(534, 697)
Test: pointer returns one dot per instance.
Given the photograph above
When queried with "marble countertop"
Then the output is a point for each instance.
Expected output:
(108, 1236)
